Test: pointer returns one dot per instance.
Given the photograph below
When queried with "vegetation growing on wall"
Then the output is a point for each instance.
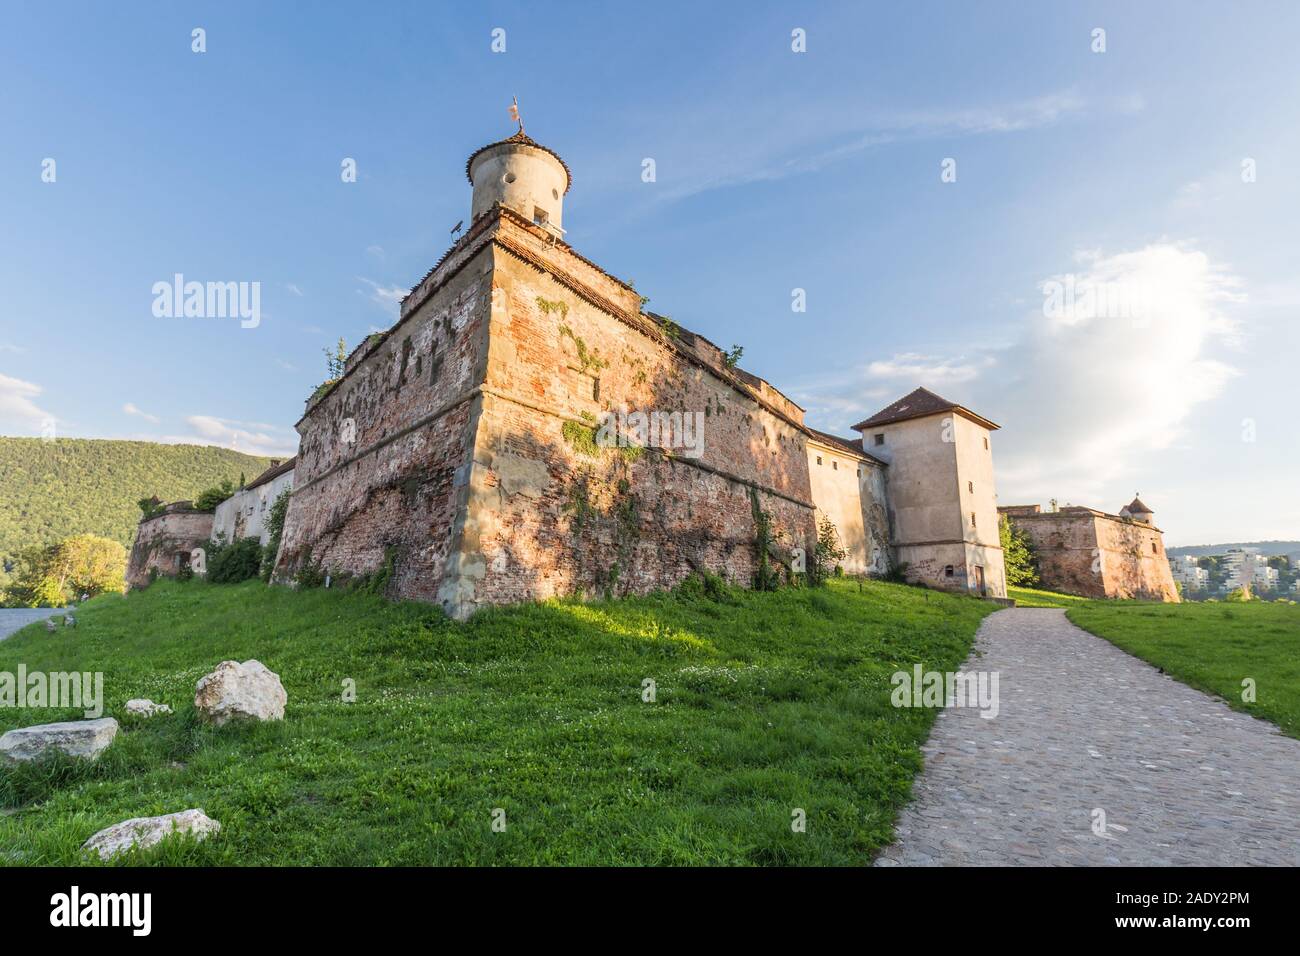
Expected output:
(209, 498)
(275, 531)
(766, 578)
(553, 307)
(589, 360)
(150, 507)
(581, 437)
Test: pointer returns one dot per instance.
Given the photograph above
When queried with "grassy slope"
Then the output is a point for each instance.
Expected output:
(766, 702)
(78, 485)
(1212, 647)
(1032, 597)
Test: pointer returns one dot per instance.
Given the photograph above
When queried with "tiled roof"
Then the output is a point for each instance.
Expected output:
(1137, 507)
(521, 139)
(275, 471)
(851, 445)
(918, 404)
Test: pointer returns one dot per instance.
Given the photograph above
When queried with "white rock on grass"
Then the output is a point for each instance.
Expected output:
(143, 707)
(76, 738)
(145, 832)
(235, 691)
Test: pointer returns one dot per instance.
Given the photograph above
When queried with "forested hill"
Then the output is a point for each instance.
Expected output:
(50, 490)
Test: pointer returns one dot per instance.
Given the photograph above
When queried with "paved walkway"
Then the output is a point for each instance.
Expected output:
(1183, 779)
(13, 618)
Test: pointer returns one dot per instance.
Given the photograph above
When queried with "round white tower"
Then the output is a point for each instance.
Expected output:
(522, 174)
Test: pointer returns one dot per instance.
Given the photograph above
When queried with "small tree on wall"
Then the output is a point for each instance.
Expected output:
(828, 554)
(1017, 554)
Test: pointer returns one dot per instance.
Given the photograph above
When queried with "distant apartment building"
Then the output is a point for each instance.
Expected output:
(1188, 572)
(1246, 567)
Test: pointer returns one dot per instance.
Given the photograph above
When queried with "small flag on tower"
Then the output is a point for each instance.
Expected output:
(514, 112)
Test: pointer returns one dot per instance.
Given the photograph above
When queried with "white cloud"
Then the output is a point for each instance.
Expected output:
(131, 409)
(1086, 393)
(19, 413)
(1093, 391)
(715, 165)
(928, 370)
(254, 438)
(390, 297)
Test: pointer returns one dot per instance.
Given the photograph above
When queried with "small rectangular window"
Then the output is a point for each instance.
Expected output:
(986, 442)
(947, 572)
(819, 459)
(970, 486)
(880, 439)
(835, 465)
(972, 519)
(539, 215)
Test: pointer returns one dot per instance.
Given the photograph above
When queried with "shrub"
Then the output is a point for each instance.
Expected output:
(275, 530)
(827, 555)
(234, 562)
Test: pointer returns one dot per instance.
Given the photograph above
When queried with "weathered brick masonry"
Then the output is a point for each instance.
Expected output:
(383, 455)
(463, 473)
(1096, 554)
(164, 542)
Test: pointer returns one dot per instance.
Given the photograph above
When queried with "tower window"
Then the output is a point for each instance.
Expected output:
(835, 465)
(986, 442)
(1154, 550)
(947, 571)
(972, 519)
(819, 459)
(539, 215)
(970, 486)
(880, 438)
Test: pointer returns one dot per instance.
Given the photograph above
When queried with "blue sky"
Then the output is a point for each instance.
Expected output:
(775, 170)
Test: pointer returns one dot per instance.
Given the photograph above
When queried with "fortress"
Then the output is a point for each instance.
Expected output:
(527, 429)
(1095, 554)
(460, 453)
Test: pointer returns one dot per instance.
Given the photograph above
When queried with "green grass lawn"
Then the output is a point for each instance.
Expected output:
(1212, 646)
(1032, 597)
(765, 703)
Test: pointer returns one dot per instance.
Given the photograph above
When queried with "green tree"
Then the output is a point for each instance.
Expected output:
(81, 564)
(209, 498)
(336, 361)
(1017, 554)
(828, 554)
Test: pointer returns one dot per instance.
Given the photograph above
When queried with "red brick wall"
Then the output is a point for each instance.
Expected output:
(1081, 552)
(546, 519)
(393, 491)
(159, 539)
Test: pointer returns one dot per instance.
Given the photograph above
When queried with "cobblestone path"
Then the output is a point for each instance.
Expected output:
(1083, 726)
